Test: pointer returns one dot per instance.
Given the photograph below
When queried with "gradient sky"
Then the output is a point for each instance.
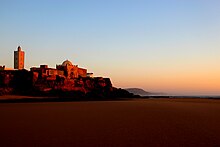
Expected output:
(170, 46)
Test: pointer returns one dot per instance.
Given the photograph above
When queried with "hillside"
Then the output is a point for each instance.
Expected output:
(141, 92)
(138, 91)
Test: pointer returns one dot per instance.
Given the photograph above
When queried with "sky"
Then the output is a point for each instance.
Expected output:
(170, 46)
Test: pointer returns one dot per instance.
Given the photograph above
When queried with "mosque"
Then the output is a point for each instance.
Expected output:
(71, 71)
(66, 69)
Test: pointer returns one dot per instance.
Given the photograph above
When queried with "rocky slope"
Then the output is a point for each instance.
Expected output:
(25, 82)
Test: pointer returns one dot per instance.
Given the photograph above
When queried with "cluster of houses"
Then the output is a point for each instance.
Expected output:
(66, 69)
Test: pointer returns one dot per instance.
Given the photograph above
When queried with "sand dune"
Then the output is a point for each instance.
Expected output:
(150, 122)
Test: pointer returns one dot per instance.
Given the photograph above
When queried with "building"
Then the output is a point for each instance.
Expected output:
(90, 75)
(45, 72)
(72, 71)
(66, 69)
(19, 59)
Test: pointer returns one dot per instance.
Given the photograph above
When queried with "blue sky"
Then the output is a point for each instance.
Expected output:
(159, 45)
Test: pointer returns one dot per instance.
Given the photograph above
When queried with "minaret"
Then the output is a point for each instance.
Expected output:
(19, 59)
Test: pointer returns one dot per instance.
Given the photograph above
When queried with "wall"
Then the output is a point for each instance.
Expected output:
(82, 72)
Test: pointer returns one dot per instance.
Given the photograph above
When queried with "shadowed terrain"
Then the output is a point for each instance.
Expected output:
(149, 122)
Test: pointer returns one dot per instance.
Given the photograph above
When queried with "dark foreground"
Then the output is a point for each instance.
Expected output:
(149, 122)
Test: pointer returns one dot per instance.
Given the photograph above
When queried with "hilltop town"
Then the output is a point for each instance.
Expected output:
(66, 80)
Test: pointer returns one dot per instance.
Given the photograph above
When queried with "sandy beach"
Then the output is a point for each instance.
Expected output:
(139, 122)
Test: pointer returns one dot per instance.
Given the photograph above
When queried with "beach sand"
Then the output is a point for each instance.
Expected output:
(139, 122)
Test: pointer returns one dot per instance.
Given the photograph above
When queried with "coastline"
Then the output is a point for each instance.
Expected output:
(32, 99)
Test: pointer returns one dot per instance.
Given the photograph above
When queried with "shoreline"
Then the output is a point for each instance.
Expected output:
(33, 99)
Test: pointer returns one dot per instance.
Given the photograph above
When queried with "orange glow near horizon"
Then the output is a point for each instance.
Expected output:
(175, 82)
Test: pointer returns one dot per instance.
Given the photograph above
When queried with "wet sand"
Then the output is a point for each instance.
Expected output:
(149, 122)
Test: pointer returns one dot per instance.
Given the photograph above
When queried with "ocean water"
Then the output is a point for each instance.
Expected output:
(183, 96)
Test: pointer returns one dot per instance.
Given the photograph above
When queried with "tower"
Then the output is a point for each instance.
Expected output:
(19, 59)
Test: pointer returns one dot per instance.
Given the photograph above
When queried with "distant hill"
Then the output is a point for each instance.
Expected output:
(141, 92)
(138, 91)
